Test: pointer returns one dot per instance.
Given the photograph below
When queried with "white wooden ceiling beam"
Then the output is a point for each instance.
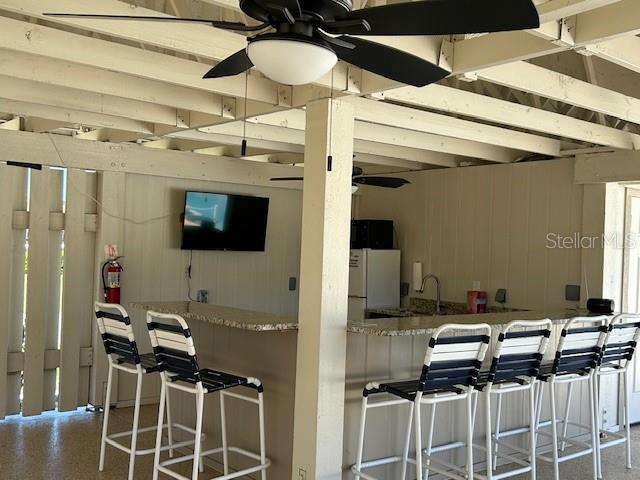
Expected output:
(61, 45)
(122, 157)
(624, 51)
(69, 98)
(616, 20)
(550, 10)
(270, 128)
(196, 39)
(402, 117)
(460, 102)
(67, 74)
(75, 116)
(563, 88)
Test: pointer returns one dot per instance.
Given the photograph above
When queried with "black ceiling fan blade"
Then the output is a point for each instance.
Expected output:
(446, 17)
(237, 63)
(389, 62)
(237, 26)
(385, 182)
(286, 179)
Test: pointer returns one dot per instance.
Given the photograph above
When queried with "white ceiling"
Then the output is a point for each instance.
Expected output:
(571, 85)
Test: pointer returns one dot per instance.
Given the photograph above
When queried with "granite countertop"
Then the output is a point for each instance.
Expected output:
(399, 326)
(426, 324)
(221, 315)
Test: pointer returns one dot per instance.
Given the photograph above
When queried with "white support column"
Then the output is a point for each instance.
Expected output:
(324, 271)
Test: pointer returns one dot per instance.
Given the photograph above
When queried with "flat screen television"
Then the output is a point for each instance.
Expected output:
(220, 221)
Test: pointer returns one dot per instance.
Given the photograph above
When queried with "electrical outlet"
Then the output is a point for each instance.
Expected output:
(203, 296)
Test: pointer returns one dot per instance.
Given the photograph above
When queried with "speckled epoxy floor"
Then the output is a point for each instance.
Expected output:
(66, 447)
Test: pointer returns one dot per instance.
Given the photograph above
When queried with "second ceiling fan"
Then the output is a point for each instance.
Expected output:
(299, 41)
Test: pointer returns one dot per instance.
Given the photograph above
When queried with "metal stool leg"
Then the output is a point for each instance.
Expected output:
(198, 445)
(554, 431)
(418, 428)
(470, 435)
(497, 429)
(532, 430)
(565, 422)
(169, 424)
(627, 419)
(263, 448)
(594, 429)
(540, 394)
(136, 420)
(488, 438)
(223, 428)
(407, 444)
(156, 458)
(598, 422)
(432, 424)
(105, 419)
(363, 419)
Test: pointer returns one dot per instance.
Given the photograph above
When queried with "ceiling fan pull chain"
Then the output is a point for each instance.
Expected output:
(243, 145)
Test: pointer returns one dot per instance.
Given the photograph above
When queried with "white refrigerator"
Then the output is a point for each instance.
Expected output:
(374, 281)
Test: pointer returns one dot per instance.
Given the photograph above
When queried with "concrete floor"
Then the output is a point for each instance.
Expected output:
(66, 447)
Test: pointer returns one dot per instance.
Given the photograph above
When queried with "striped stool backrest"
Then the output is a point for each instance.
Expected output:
(117, 335)
(622, 340)
(173, 346)
(453, 361)
(520, 353)
(580, 348)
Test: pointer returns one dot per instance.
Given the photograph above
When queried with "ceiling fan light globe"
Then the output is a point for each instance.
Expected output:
(291, 62)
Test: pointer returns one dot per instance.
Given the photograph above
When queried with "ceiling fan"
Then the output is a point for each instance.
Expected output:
(358, 177)
(299, 41)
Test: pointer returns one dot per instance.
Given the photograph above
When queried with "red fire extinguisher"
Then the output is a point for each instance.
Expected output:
(111, 276)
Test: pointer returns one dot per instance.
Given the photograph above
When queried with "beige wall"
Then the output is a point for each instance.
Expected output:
(155, 265)
(490, 224)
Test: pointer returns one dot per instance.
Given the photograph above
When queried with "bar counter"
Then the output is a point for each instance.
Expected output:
(264, 345)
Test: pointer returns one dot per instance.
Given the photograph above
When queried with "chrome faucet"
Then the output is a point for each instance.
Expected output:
(437, 280)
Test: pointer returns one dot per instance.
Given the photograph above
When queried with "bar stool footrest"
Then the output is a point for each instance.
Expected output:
(110, 439)
(162, 467)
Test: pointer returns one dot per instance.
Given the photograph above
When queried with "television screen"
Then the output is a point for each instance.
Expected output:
(219, 221)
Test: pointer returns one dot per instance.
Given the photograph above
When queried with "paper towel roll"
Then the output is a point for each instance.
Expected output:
(417, 276)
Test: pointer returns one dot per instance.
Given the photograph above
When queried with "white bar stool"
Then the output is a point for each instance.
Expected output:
(449, 373)
(515, 366)
(617, 357)
(179, 370)
(120, 345)
(576, 359)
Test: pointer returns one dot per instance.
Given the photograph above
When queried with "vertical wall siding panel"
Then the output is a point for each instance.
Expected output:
(481, 239)
(518, 232)
(537, 267)
(77, 290)
(490, 224)
(12, 185)
(500, 215)
(450, 236)
(561, 223)
(37, 293)
(52, 321)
